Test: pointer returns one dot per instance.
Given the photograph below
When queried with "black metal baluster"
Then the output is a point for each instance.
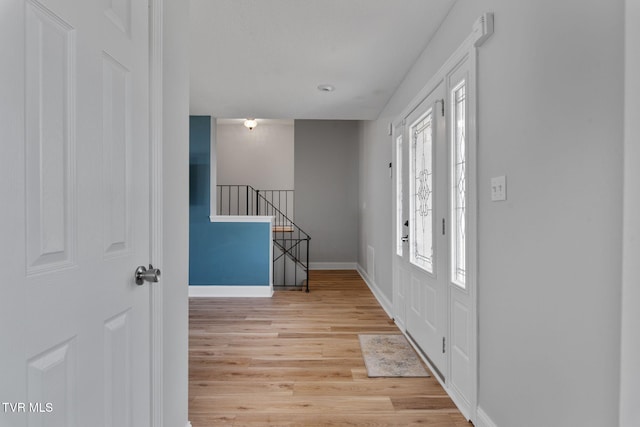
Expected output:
(307, 266)
(284, 261)
(280, 207)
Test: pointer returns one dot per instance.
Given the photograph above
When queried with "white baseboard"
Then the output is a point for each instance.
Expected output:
(188, 424)
(231, 291)
(332, 266)
(382, 299)
(483, 419)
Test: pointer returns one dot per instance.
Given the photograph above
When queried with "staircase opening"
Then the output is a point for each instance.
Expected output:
(290, 242)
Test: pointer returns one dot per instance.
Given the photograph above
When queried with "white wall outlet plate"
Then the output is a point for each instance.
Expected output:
(498, 188)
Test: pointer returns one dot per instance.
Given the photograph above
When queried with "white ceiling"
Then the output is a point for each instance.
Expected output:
(265, 58)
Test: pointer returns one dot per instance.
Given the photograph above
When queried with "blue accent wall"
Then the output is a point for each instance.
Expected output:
(220, 253)
(229, 253)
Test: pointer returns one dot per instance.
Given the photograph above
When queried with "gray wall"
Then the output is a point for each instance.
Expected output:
(630, 368)
(175, 273)
(262, 157)
(374, 204)
(551, 119)
(326, 182)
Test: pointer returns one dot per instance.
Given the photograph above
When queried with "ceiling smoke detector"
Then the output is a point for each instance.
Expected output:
(326, 88)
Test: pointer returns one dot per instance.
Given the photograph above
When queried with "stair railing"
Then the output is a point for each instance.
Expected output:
(283, 200)
(288, 237)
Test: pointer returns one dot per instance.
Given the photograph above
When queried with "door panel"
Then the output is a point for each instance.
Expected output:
(461, 301)
(425, 260)
(50, 141)
(416, 298)
(75, 213)
(460, 345)
(51, 384)
(431, 307)
(117, 369)
(399, 296)
(116, 159)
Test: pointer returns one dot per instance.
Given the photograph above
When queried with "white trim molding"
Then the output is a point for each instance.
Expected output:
(156, 204)
(215, 291)
(629, 410)
(241, 218)
(332, 266)
(483, 419)
(481, 31)
(387, 306)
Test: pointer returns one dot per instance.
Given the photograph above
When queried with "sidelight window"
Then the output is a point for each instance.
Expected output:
(458, 179)
(399, 230)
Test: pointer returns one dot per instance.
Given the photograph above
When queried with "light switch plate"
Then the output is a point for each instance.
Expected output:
(498, 188)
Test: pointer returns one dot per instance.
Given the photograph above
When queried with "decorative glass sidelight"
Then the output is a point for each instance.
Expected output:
(421, 253)
(399, 220)
(458, 179)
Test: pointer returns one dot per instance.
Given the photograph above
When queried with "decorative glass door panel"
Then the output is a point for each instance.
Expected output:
(421, 210)
(458, 190)
(399, 201)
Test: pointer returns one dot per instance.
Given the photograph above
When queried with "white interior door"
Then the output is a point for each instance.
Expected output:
(74, 93)
(422, 262)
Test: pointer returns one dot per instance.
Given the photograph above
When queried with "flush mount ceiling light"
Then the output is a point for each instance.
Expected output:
(250, 123)
(326, 88)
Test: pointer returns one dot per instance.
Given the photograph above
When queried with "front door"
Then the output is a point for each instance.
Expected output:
(435, 221)
(74, 221)
(422, 258)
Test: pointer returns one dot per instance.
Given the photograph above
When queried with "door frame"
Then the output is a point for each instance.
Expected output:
(468, 51)
(156, 189)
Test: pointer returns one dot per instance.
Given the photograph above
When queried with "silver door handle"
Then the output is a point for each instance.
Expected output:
(405, 238)
(143, 274)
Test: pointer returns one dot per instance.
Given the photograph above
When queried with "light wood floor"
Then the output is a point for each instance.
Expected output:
(295, 360)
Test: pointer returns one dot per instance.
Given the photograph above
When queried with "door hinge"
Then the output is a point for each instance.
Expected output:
(441, 101)
(443, 226)
(443, 345)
